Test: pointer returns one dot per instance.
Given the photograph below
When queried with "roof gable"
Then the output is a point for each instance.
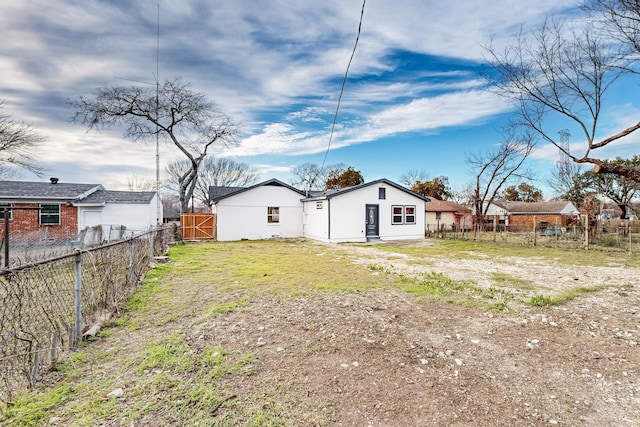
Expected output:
(329, 194)
(219, 193)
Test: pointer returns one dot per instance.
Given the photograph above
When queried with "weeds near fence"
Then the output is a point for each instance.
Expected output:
(45, 307)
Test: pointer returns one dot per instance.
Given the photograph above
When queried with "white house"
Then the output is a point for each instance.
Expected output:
(262, 211)
(375, 210)
(135, 210)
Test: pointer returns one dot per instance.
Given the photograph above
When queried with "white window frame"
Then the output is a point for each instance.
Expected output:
(403, 217)
(273, 214)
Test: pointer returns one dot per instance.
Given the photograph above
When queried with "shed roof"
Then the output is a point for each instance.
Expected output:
(106, 196)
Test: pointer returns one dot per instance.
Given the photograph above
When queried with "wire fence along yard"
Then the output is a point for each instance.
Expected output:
(621, 235)
(25, 248)
(45, 307)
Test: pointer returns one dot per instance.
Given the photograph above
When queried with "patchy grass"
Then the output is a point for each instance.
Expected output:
(469, 249)
(506, 280)
(153, 351)
(542, 300)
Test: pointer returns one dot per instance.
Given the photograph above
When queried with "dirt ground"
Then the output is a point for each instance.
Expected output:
(384, 358)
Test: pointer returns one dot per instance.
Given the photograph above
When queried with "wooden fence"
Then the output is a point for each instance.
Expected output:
(198, 226)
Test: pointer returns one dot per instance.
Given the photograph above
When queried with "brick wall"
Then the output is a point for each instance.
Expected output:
(522, 221)
(27, 221)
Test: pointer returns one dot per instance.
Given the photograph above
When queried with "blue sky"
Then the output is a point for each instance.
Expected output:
(414, 99)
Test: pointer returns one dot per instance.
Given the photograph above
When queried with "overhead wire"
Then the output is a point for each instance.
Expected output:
(344, 81)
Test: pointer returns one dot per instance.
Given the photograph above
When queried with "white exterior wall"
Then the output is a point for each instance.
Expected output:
(134, 216)
(348, 210)
(316, 221)
(446, 220)
(244, 215)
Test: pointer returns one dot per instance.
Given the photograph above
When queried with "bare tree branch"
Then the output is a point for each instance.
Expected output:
(174, 113)
(17, 143)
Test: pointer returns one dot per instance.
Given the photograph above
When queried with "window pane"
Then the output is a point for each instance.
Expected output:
(410, 219)
(273, 214)
(49, 214)
(4, 206)
(410, 210)
(397, 210)
(382, 193)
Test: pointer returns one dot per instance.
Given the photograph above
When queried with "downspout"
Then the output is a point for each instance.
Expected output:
(328, 219)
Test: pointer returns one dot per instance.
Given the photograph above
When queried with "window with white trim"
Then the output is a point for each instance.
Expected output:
(403, 214)
(6, 207)
(49, 214)
(273, 214)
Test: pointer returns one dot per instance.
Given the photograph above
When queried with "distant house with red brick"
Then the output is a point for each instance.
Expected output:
(445, 215)
(57, 211)
(520, 215)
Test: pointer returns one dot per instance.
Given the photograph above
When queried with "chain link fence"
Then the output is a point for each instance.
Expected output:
(25, 248)
(46, 306)
(622, 235)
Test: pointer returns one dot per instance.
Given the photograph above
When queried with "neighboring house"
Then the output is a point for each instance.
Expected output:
(58, 211)
(136, 210)
(265, 210)
(555, 213)
(495, 214)
(447, 215)
(379, 209)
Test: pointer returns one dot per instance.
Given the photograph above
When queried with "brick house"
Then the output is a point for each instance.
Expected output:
(520, 215)
(58, 211)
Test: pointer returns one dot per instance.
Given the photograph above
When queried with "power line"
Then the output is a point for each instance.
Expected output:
(344, 81)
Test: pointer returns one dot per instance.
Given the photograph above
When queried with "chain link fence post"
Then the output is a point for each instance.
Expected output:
(78, 292)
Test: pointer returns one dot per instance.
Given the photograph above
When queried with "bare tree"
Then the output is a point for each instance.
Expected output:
(563, 71)
(219, 172)
(619, 19)
(409, 178)
(310, 176)
(17, 142)
(171, 111)
(494, 169)
(137, 182)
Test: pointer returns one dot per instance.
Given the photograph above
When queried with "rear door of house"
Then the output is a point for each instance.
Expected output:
(372, 228)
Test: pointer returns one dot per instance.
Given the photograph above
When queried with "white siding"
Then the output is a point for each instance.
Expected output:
(134, 216)
(244, 215)
(348, 210)
(316, 220)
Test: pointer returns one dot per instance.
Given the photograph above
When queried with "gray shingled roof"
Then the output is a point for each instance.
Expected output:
(106, 196)
(534, 207)
(46, 190)
(218, 193)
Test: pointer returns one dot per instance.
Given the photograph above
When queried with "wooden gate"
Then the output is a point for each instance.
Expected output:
(198, 226)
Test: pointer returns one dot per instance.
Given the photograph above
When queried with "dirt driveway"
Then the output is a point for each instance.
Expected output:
(385, 358)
